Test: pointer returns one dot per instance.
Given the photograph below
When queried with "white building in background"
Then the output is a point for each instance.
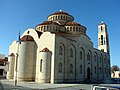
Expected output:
(59, 50)
(3, 66)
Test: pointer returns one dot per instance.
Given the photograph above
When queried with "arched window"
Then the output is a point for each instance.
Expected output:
(100, 60)
(101, 39)
(88, 56)
(95, 58)
(60, 67)
(60, 50)
(71, 68)
(70, 28)
(64, 17)
(44, 27)
(67, 28)
(41, 63)
(100, 70)
(95, 70)
(61, 17)
(77, 29)
(73, 28)
(80, 55)
(71, 53)
(56, 18)
(80, 69)
(101, 28)
(105, 71)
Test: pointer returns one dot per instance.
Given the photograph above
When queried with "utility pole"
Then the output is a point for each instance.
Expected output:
(16, 63)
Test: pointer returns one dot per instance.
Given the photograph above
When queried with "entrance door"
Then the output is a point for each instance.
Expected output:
(88, 73)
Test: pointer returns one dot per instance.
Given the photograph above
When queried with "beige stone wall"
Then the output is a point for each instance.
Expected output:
(46, 40)
(27, 61)
(44, 67)
(11, 64)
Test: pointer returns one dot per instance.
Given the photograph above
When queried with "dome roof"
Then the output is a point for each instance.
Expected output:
(72, 24)
(48, 23)
(45, 50)
(102, 23)
(60, 12)
(27, 38)
(12, 54)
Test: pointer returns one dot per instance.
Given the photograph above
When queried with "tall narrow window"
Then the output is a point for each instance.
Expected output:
(101, 39)
(100, 70)
(80, 69)
(105, 70)
(41, 62)
(100, 60)
(104, 41)
(71, 53)
(73, 28)
(60, 67)
(101, 29)
(95, 58)
(71, 68)
(60, 50)
(80, 55)
(95, 70)
(88, 56)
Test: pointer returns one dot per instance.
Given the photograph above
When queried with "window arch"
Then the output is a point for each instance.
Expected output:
(41, 64)
(71, 52)
(60, 67)
(105, 71)
(100, 70)
(80, 69)
(88, 56)
(60, 50)
(95, 69)
(71, 68)
(95, 58)
(73, 28)
(81, 55)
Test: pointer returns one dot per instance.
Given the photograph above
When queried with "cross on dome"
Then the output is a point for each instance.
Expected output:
(60, 10)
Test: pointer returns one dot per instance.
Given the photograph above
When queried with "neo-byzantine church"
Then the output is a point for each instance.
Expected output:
(59, 51)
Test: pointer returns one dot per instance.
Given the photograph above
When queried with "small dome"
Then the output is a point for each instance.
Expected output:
(102, 23)
(60, 12)
(12, 54)
(45, 50)
(72, 24)
(27, 38)
(48, 23)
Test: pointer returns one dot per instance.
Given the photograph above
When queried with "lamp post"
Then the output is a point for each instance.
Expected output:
(16, 69)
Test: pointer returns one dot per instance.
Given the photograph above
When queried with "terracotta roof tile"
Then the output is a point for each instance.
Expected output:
(27, 38)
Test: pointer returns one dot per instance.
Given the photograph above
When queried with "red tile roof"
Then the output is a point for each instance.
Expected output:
(27, 38)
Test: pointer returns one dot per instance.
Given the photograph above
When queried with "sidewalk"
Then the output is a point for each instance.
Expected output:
(9, 85)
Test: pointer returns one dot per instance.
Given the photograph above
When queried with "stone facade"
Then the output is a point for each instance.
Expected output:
(59, 51)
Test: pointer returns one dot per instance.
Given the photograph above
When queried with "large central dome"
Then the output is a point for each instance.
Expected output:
(61, 22)
(60, 17)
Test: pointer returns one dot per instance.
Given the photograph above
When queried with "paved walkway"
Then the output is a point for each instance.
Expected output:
(9, 85)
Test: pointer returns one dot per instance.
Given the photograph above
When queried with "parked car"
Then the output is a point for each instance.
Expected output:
(101, 87)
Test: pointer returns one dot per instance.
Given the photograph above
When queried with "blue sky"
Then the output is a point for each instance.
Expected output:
(20, 15)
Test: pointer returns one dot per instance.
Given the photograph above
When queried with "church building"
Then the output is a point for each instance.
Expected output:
(59, 51)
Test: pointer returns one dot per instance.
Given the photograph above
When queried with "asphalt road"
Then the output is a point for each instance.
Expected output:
(9, 85)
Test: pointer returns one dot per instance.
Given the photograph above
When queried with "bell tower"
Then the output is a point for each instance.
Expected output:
(103, 40)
